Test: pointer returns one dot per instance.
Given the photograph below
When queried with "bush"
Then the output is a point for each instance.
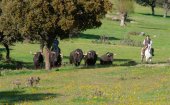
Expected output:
(102, 40)
(130, 42)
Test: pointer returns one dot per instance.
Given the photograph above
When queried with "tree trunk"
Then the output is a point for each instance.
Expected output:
(41, 45)
(166, 8)
(123, 17)
(165, 14)
(153, 10)
(7, 51)
(122, 21)
(47, 59)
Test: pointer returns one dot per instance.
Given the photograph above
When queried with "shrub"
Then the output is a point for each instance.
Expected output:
(130, 42)
(102, 40)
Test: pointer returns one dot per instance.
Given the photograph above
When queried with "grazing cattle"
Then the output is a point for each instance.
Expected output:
(106, 58)
(55, 59)
(76, 56)
(90, 58)
(38, 60)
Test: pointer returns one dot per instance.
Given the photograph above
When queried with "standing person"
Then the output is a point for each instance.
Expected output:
(147, 42)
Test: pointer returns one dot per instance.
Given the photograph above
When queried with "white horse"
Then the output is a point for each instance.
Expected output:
(147, 54)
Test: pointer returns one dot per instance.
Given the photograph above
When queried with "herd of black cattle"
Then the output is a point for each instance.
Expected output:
(75, 58)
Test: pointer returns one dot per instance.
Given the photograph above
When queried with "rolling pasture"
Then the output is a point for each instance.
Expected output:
(127, 81)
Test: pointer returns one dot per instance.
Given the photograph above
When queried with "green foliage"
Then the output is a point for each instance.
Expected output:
(8, 27)
(47, 19)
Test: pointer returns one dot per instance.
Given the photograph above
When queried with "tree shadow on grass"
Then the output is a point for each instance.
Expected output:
(12, 97)
(93, 37)
(16, 65)
(66, 57)
(2, 49)
(153, 28)
(129, 63)
(147, 14)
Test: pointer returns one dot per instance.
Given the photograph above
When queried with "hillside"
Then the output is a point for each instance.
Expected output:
(127, 81)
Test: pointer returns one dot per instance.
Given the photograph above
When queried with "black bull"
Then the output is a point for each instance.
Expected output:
(38, 60)
(90, 58)
(55, 59)
(106, 58)
(76, 56)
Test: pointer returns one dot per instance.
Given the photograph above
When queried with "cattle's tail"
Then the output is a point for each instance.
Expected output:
(152, 51)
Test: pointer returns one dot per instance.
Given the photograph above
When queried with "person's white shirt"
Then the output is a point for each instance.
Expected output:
(148, 44)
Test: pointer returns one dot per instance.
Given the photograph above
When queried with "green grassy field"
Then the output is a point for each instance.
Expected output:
(127, 81)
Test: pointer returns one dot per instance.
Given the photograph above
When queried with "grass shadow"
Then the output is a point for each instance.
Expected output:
(93, 37)
(16, 65)
(66, 57)
(129, 63)
(147, 14)
(122, 62)
(152, 28)
(2, 50)
(12, 97)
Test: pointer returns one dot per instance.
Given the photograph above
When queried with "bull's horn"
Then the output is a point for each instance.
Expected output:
(61, 55)
(32, 53)
(89, 52)
(85, 54)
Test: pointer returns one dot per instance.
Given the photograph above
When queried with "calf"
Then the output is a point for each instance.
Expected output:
(90, 58)
(106, 58)
(38, 60)
(76, 56)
